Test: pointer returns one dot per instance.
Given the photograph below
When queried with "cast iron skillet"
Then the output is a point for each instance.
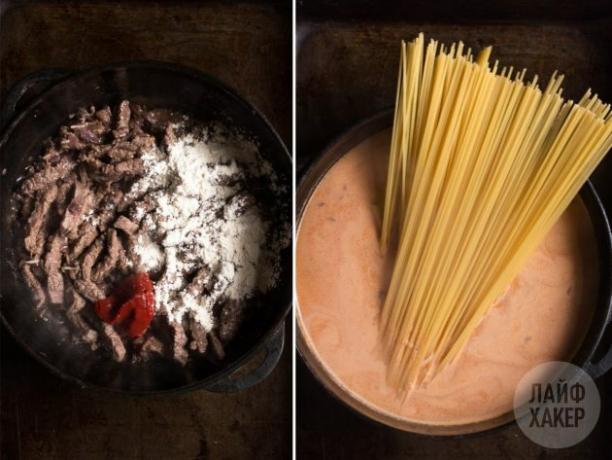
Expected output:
(155, 85)
(594, 354)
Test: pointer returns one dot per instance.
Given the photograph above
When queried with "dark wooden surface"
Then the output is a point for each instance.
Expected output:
(247, 46)
(327, 429)
(347, 67)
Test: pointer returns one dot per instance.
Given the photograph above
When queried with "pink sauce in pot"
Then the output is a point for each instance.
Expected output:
(342, 278)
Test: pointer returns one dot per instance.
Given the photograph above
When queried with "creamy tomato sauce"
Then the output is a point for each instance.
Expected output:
(342, 278)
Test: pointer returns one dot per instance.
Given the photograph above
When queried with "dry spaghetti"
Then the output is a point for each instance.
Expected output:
(482, 163)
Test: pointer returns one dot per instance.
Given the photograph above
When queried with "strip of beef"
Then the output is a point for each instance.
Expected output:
(92, 154)
(52, 155)
(89, 290)
(90, 132)
(230, 320)
(158, 119)
(73, 271)
(70, 141)
(27, 206)
(137, 206)
(35, 231)
(169, 137)
(63, 194)
(126, 225)
(152, 345)
(199, 282)
(121, 152)
(88, 234)
(123, 120)
(143, 141)
(137, 118)
(130, 228)
(38, 292)
(86, 333)
(80, 204)
(198, 336)
(115, 342)
(124, 169)
(114, 252)
(90, 258)
(48, 175)
(51, 267)
(115, 171)
(179, 342)
(216, 345)
(109, 205)
(105, 116)
(84, 114)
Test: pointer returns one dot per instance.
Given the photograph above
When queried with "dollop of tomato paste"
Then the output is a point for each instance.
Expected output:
(131, 305)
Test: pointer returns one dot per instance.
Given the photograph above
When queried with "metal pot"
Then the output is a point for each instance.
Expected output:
(33, 110)
(594, 354)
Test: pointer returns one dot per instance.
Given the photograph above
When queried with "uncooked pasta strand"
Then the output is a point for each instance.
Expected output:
(482, 163)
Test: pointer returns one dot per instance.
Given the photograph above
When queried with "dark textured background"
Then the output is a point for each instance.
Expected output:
(347, 69)
(247, 45)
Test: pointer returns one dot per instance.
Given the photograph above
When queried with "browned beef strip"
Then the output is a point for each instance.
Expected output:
(47, 175)
(34, 283)
(52, 155)
(199, 281)
(35, 238)
(80, 204)
(126, 225)
(90, 132)
(130, 229)
(179, 342)
(109, 206)
(123, 120)
(105, 116)
(88, 233)
(51, 266)
(120, 153)
(158, 119)
(70, 141)
(92, 154)
(143, 141)
(90, 257)
(169, 136)
(89, 290)
(115, 342)
(132, 255)
(137, 119)
(63, 194)
(138, 207)
(116, 171)
(152, 345)
(85, 332)
(216, 345)
(198, 336)
(27, 206)
(124, 169)
(84, 114)
(230, 320)
(73, 271)
(114, 251)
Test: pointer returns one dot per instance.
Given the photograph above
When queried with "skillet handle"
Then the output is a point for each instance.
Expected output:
(26, 89)
(603, 364)
(239, 381)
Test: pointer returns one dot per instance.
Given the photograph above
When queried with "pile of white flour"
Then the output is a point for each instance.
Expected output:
(203, 216)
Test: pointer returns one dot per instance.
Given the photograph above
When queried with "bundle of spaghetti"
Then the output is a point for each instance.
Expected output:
(482, 164)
